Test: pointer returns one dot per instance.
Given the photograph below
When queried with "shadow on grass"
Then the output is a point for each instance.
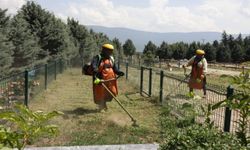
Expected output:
(80, 111)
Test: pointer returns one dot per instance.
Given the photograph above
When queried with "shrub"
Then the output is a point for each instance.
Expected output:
(22, 126)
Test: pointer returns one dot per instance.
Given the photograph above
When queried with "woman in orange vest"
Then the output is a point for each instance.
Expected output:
(104, 69)
(198, 73)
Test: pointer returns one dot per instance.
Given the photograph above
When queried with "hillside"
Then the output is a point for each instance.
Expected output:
(140, 38)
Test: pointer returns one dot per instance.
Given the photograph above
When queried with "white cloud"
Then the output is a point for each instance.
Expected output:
(209, 15)
(157, 17)
(11, 5)
(246, 8)
(230, 15)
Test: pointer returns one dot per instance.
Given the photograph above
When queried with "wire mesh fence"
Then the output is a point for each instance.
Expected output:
(24, 86)
(11, 90)
(173, 90)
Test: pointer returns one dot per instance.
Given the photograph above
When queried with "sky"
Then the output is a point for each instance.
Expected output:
(233, 16)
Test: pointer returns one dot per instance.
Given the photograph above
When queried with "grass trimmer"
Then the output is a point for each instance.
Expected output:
(132, 118)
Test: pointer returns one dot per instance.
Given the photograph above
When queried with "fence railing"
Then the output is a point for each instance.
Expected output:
(168, 88)
(24, 86)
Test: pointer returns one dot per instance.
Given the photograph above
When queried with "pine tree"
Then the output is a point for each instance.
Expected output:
(6, 47)
(26, 47)
(231, 42)
(84, 41)
(191, 50)
(239, 40)
(223, 54)
(129, 48)
(224, 39)
(4, 20)
(215, 44)
(164, 51)
(247, 55)
(5, 55)
(118, 48)
(210, 52)
(150, 47)
(52, 33)
(237, 53)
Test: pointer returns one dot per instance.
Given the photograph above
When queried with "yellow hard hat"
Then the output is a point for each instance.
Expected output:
(108, 46)
(200, 52)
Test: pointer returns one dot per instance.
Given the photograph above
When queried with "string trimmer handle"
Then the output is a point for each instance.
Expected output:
(102, 81)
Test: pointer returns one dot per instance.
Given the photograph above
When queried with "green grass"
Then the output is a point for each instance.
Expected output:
(82, 124)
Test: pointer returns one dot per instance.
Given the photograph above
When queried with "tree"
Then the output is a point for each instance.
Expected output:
(52, 33)
(5, 55)
(83, 40)
(223, 54)
(231, 42)
(118, 48)
(164, 51)
(179, 50)
(224, 39)
(246, 42)
(4, 20)
(26, 46)
(237, 54)
(215, 44)
(150, 47)
(191, 50)
(6, 48)
(239, 40)
(128, 48)
(210, 52)
(148, 58)
(247, 56)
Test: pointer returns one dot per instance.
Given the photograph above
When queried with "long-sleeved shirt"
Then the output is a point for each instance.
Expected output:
(202, 63)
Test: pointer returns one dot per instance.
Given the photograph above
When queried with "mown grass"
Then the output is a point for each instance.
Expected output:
(82, 124)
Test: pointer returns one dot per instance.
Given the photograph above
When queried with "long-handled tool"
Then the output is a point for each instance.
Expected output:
(132, 118)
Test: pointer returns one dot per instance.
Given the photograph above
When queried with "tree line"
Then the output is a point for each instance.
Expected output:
(34, 36)
(228, 49)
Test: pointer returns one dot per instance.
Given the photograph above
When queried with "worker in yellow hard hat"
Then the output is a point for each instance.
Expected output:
(104, 68)
(198, 73)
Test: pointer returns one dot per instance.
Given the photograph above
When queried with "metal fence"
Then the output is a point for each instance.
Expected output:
(170, 90)
(24, 86)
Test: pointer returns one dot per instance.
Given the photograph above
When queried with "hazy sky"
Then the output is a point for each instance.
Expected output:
(151, 15)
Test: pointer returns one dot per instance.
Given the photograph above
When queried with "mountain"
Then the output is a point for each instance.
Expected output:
(141, 38)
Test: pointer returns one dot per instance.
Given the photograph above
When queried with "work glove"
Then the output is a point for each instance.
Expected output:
(97, 81)
(120, 73)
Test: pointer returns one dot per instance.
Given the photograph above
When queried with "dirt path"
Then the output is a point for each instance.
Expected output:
(222, 72)
(71, 93)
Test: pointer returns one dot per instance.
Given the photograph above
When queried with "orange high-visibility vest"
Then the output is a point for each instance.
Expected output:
(107, 72)
(195, 80)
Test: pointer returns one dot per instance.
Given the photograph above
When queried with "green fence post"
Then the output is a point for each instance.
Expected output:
(161, 86)
(55, 69)
(126, 71)
(46, 76)
(141, 82)
(227, 121)
(150, 82)
(26, 88)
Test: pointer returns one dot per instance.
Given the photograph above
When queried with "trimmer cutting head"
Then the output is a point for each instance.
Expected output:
(134, 124)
